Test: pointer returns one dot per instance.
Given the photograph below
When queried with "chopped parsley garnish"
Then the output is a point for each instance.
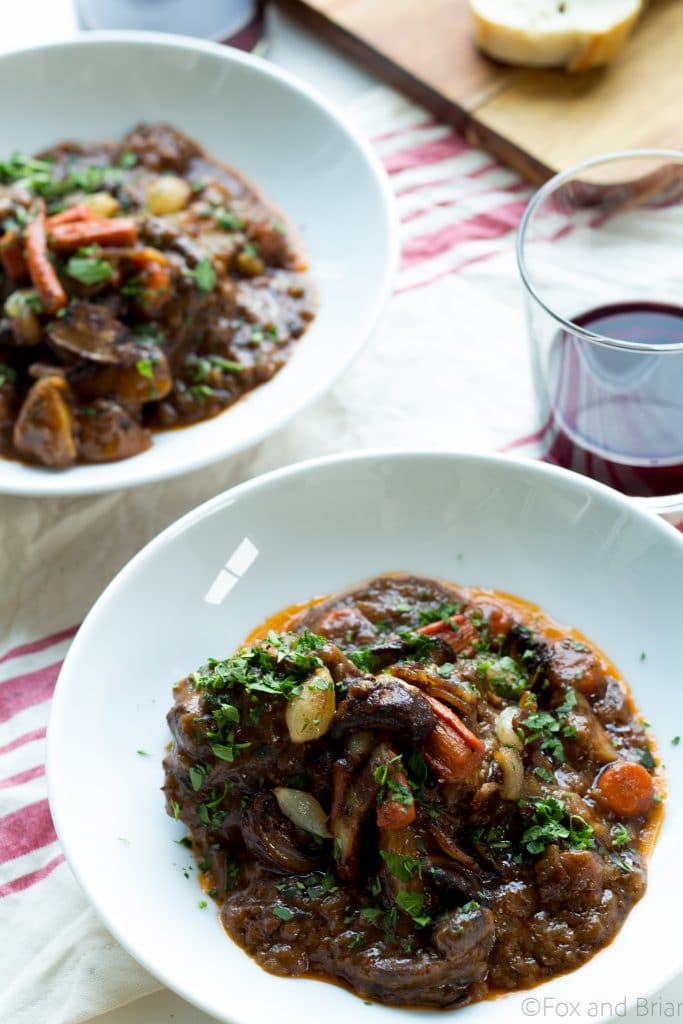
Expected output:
(402, 866)
(200, 392)
(467, 908)
(89, 270)
(675, 741)
(278, 665)
(197, 774)
(544, 774)
(624, 863)
(175, 806)
(228, 751)
(440, 612)
(228, 365)
(283, 913)
(203, 275)
(504, 677)
(227, 220)
(551, 822)
(620, 835)
(569, 702)
(413, 905)
(127, 159)
(404, 606)
(541, 725)
(445, 670)
(419, 645)
(202, 904)
(145, 368)
(371, 914)
(209, 812)
(417, 768)
(7, 375)
(364, 659)
(647, 760)
(142, 753)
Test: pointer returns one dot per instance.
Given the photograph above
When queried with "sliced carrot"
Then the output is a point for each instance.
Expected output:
(118, 231)
(12, 255)
(452, 750)
(392, 812)
(138, 256)
(626, 788)
(458, 632)
(73, 213)
(156, 287)
(43, 274)
(434, 628)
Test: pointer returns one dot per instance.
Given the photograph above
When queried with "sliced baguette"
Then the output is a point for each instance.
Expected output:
(572, 34)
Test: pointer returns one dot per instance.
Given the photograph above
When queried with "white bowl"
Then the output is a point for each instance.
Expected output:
(281, 135)
(581, 551)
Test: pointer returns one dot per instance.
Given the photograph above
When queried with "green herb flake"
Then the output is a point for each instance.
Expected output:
(197, 774)
(227, 219)
(505, 678)
(142, 753)
(201, 392)
(127, 159)
(620, 835)
(647, 760)
(8, 375)
(89, 270)
(175, 807)
(439, 613)
(412, 903)
(202, 904)
(283, 913)
(203, 275)
(402, 866)
(675, 741)
(145, 368)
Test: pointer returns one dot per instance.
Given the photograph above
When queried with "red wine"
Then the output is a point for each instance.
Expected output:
(617, 415)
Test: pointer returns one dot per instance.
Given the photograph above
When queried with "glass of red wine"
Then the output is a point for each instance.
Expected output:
(600, 251)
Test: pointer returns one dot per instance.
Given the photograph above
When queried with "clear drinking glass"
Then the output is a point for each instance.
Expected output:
(600, 251)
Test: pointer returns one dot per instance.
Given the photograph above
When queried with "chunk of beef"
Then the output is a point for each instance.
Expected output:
(387, 704)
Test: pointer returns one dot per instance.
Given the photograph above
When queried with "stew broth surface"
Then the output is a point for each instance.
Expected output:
(469, 814)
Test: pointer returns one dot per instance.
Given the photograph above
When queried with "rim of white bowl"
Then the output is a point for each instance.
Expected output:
(43, 483)
(229, 497)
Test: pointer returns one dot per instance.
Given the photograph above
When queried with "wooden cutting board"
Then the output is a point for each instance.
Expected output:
(539, 122)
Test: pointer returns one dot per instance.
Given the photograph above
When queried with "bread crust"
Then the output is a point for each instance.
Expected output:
(572, 49)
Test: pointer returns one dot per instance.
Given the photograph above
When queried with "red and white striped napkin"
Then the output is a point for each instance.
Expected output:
(447, 364)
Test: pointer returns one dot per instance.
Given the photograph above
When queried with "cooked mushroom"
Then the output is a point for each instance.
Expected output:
(354, 795)
(453, 881)
(88, 331)
(274, 840)
(439, 977)
(452, 689)
(107, 432)
(43, 431)
(387, 704)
